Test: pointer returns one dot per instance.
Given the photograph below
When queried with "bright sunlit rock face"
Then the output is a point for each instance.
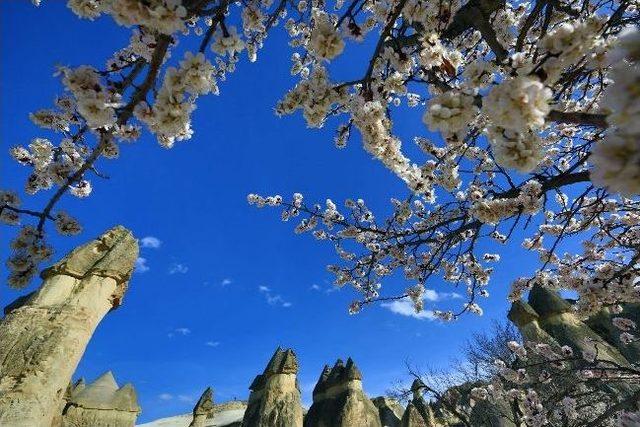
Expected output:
(44, 334)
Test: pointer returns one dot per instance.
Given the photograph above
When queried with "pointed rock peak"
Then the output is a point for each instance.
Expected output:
(324, 375)
(98, 394)
(289, 362)
(339, 364)
(417, 385)
(282, 362)
(77, 388)
(353, 373)
(106, 381)
(522, 314)
(126, 399)
(205, 404)
(547, 302)
(257, 383)
(322, 381)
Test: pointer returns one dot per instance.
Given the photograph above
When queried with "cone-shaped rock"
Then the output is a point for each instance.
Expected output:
(101, 403)
(557, 318)
(525, 318)
(389, 409)
(44, 335)
(339, 401)
(204, 409)
(602, 324)
(275, 396)
(418, 412)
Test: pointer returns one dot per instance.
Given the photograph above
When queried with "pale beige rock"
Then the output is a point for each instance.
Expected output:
(389, 409)
(558, 319)
(44, 335)
(275, 396)
(204, 409)
(526, 319)
(101, 403)
(418, 412)
(339, 401)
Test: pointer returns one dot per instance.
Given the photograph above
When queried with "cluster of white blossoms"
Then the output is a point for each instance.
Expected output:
(616, 158)
(518, 103)
(512, 149)
(568, 43)
(227, 42)
(451, 112)
(170, 116)
(324, 41)
(93, 102)
(163, 16)
(370, 118)
(516, 108)
(314, 96)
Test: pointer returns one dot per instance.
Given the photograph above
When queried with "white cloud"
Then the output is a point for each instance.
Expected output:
(165, 396)
(150, 242)
(178, 268)
(431, 295)
(226, 282)
(404, 307)
(315, 287)
(141, 265)
(273, 299)
(212, 343)
(185, 398)
(179, 331)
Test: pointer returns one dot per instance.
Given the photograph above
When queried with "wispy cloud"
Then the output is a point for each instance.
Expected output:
(273, 299)
(181, 397)
(141, 265)
(327, 290)
(212, 343)
(404, 307)
(150, 242)
(226, 282)
(179, 331)
(177, 267)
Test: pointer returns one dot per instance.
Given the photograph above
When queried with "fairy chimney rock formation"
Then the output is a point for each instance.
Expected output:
(389, 409)
(557, 318)
(525, 318)
(43, 335)
(275, 396)
(418, 412)
(101, 403)
(204, 409)
(339, 401)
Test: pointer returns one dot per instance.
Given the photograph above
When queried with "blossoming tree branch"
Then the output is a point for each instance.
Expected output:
(531, 116)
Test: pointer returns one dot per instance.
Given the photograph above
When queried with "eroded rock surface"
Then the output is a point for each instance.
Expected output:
(275, 395)
(389, 409)
(43, 335)
(204, 409)
(101, 403)
(339, 401)
(418, 412)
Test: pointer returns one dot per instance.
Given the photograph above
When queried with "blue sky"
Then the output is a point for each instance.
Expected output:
(228, 282)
